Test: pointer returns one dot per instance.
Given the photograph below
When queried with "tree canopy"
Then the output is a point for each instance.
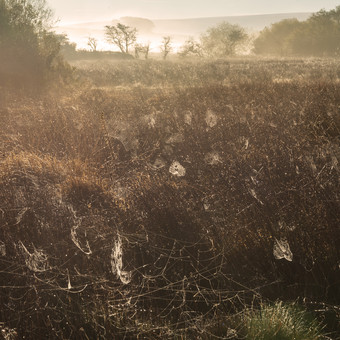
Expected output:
(275, 39)
(223, 40)
(121, 35)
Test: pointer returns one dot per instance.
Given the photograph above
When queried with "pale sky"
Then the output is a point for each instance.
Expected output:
(70, 11)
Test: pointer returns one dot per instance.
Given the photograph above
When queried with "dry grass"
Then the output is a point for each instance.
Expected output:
(88, 175)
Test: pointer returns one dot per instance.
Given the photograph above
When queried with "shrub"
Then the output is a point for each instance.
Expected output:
(29, 51)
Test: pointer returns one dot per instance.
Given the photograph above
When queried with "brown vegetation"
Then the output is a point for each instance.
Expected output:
(162, 207)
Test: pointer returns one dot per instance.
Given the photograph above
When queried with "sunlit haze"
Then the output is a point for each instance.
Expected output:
(82, 18)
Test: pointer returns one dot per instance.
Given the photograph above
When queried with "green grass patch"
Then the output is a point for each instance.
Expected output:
(282, 321)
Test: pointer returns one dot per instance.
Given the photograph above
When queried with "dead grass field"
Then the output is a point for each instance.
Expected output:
(155, 200)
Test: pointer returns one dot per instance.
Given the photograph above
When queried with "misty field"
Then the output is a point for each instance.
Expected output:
(183, 199)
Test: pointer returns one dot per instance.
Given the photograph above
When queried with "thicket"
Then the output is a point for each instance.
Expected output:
(164, 212)
(317, 36)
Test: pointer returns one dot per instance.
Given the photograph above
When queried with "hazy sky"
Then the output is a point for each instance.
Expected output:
(93, 10)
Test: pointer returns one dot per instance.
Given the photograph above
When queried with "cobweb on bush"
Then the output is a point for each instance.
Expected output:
(150, 120)
(117, 262)
(213, 158)
(211, 118)
(2, 249)
(188, 118)
(125, 133)
(36, 261)
(85, 248)
(158, 164)
(175, 139)
(282, 250)
(8, 333)
(177, 169)
(80, 241)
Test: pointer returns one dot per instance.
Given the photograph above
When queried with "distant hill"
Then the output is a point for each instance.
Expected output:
(199, 25)
(179, 29)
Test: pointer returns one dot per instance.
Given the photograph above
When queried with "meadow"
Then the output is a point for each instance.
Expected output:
(177, 199)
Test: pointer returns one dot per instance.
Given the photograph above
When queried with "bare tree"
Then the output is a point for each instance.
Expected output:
(166, 47)
(191, 48)
(92, 43)
(138, 49)
(121, 35)
(144, 49)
